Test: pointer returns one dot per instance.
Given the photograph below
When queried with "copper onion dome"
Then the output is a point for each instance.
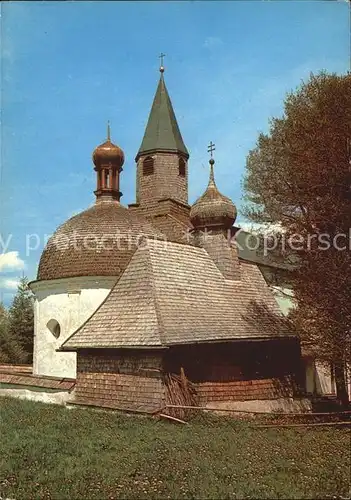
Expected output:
(108, 153)
(213, 209)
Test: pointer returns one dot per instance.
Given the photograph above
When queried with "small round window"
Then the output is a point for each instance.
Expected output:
(54, 327)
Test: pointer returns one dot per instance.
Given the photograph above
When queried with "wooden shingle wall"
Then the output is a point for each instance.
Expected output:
(170, 217)
(244, 390)
(127, 380)
(165, 182)
(240, 371)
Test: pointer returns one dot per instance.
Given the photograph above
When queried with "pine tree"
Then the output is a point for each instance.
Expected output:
(21, 319)
(10, 349)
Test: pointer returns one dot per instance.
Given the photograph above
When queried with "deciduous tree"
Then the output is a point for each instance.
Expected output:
(298, 175)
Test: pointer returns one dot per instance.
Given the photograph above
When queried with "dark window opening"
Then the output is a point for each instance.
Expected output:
(182, 167)
(54, 327)
(107, 179)
(148, 166)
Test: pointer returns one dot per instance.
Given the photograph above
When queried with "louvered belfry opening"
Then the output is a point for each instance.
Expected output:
(148, 166)
(182, 167)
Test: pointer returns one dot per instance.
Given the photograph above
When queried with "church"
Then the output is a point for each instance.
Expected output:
(129, 298)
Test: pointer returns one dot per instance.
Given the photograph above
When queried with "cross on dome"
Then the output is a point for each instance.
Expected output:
(210, 148)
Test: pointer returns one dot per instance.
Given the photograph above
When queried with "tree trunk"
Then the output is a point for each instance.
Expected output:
(341, 387)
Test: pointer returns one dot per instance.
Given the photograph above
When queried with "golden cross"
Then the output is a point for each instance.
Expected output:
(211, 147)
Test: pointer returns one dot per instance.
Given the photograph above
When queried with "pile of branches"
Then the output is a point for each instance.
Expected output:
(181, 392)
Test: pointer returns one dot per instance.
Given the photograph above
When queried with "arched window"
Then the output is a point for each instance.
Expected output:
(148, 166)
(54, 327)
(107, 179)
(182, 167)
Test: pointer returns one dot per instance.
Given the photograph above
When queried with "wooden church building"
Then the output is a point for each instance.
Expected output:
(130, 300)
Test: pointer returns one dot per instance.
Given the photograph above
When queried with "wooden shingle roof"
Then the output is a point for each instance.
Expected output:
(174, 294)
(213, 208)
(97, 242)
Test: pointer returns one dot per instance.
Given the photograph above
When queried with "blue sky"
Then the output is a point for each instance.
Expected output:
(68, 67)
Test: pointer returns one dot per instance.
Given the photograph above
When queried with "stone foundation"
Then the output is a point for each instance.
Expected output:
(281, 405)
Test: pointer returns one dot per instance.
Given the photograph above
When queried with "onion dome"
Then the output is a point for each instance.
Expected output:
(213, 209)
(108, 160)
(108, 153)
(97, 242)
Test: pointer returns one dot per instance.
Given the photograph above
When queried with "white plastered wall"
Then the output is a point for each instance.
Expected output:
(69, 301)
(319, 378)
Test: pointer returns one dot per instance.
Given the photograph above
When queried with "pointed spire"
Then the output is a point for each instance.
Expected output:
(212, 180)
(162, 131)
(108, 131)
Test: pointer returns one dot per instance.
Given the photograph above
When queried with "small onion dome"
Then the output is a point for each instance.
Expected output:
(108, 153)
(213, 209)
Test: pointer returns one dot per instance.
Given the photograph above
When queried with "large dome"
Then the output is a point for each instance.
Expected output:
(97, 242)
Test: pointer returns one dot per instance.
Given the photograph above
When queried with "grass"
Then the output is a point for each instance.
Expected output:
(49, 451)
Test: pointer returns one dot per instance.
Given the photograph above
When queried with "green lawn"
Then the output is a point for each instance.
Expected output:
(52, 452)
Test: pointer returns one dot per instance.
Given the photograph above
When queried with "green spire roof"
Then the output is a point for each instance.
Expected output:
(162, 131)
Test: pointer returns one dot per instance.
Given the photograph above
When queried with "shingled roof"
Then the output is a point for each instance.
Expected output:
(97, 242)
(162, 130)
(174, 294)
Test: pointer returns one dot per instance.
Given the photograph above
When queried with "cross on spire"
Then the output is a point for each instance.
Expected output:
(161, 56)
(211, 147)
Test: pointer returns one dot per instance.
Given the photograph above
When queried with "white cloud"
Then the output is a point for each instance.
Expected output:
(255, 227)
(212, 42)
(9, 284)
(7, 53)
(11, 261)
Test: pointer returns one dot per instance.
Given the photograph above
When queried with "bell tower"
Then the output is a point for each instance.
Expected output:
(108, 161)
(162, 159)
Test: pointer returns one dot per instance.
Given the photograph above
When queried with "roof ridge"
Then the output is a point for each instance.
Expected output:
(179, 244)
(155, 297)
(139, 253)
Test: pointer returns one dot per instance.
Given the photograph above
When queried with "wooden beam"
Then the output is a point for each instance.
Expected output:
(164, 415)
(309, 414)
